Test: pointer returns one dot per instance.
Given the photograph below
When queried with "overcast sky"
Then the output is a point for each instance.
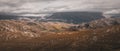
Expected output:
(36, 7)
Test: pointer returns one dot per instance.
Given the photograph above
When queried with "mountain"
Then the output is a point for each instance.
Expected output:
(100, 23)
(101, 39)
(67, 17)
(105, 22)
(102, 34)
(75, 17)
(12, 29)
(115, 16)
(6, 16)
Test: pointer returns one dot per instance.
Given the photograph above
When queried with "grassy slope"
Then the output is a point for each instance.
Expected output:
(11, 29)
(102, 39)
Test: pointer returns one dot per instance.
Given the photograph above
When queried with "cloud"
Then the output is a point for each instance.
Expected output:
(113, 12)
(44, 6)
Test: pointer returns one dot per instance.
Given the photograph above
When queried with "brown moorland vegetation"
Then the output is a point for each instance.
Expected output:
(101, 39)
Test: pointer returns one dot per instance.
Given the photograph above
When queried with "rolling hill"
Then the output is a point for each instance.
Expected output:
(55, 36)
(100, 23)
(12, 29)
(102, 39)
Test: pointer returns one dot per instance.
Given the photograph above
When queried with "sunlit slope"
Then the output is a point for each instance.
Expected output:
(11, 29)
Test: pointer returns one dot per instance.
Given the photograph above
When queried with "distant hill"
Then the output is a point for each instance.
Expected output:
(67, 17)
(75, 17)
(100, 23)
(105, 22)
(116, 16)
(5, 16)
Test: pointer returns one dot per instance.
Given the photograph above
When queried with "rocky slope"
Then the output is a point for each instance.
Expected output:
(12, 29)
(100, 23)
(99, 35)
(101, 39)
